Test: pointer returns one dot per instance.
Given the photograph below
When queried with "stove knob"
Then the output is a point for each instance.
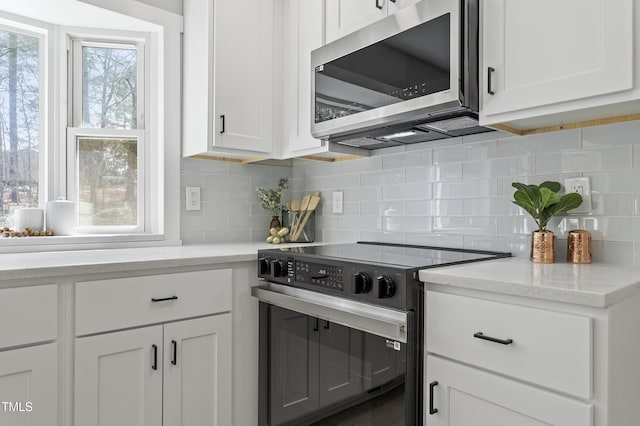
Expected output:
(264, 266)
(386, 287)
(363, 283)
(279, 268)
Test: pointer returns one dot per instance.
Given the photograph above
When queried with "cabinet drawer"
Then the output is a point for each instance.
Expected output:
(28, 315)
(548, 348)
(130, 302)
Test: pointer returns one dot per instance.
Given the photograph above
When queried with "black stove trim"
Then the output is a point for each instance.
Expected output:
(498, 254)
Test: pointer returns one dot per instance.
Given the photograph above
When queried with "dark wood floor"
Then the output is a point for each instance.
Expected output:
(385, 410)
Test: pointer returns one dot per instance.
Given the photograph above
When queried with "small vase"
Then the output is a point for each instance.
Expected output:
(543, 248)
(275, 223)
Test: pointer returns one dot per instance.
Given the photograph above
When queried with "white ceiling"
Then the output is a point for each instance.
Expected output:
(73, 13)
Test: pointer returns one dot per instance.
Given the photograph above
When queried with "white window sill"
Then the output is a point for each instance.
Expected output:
(81, 242)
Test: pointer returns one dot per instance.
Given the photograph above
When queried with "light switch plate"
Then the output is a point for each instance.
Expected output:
(338, 202)
(581, 185)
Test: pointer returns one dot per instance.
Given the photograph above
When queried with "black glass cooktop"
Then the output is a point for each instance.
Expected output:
(400, 255)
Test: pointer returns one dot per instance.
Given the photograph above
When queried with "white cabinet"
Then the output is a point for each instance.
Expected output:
(465, 396)
(197, 372)
(138, 378)
(302, 33)
(29, 385)
(544, 58)
(495, 359)
(346, 16)
(118, 379)
(164, 372)
(228, 78)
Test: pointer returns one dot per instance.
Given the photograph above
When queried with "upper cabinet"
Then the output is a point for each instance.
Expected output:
(302, 33)
(546, 62)
(228, 63)
(346, 16)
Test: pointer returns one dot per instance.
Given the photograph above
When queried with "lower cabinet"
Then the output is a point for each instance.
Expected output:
(29, 386)
(174, 374)
(458, 395)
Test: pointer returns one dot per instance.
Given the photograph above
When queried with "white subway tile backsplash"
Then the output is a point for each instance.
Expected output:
(616, 157)
(539, 143)
(613, 134)
(454, 193)
(612, 204)
(465, 225)
(466, 152)
(465, 189)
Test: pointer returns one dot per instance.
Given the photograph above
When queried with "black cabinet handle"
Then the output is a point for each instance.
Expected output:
(174, 345)
(479, 335)
(222, 119)
(378, 5)
(317, 326)
(392, 1)
(431, 409)
(154, 365)
(326, 325)
(490, 71)
(164, 299)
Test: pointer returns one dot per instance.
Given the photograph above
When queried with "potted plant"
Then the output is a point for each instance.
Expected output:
(542, 202)
(271, 200)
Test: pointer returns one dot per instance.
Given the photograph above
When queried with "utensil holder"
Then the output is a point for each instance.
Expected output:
(308, 233)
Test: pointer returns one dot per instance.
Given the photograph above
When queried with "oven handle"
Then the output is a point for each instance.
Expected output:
(385, 322)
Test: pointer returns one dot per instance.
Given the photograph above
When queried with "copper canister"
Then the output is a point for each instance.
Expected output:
(579, 247)
(543, 248)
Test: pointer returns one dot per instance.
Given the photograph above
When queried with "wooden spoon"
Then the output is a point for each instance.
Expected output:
(311, 206)
(294, 208)
(303, 207)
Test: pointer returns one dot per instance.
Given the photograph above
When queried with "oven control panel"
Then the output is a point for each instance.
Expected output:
(320, 275)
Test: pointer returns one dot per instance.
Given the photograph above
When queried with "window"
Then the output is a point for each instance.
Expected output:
(105, 148)
(20, 121)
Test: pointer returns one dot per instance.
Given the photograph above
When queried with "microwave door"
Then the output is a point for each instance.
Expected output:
(413, 69)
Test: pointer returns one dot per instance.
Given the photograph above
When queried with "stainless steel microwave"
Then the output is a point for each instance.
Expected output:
(410, 77)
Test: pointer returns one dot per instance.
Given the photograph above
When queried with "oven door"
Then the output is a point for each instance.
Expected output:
(325, 360)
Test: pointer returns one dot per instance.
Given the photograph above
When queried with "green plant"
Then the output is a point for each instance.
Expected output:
(271, 198)
(542, 201)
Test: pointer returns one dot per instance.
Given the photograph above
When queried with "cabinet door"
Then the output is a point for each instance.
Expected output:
(293, 365)
(197, 372)
(467, 396)
(346, 16)
(118, 378)
(340, 363)
(302, 34)
(243, 72)
(29, 385)
(541, 54)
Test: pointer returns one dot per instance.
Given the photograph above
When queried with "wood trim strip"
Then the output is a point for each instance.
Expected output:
(575, 125)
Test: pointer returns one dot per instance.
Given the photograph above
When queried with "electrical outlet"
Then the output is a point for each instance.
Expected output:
(193, 197)
(581, 185)
(338, 201)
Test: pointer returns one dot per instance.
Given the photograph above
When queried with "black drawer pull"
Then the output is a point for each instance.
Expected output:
(174, 360)
(154, 366)
(222, 130)
(490, 71)
(378, 5)
(164, 299)
(479, 335)
(431, 409)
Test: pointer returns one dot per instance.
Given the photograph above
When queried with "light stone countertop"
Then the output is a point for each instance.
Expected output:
(595, 285)
(64, 263)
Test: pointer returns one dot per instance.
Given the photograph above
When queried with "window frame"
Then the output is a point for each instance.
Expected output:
(22, 27)
(75, 39)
